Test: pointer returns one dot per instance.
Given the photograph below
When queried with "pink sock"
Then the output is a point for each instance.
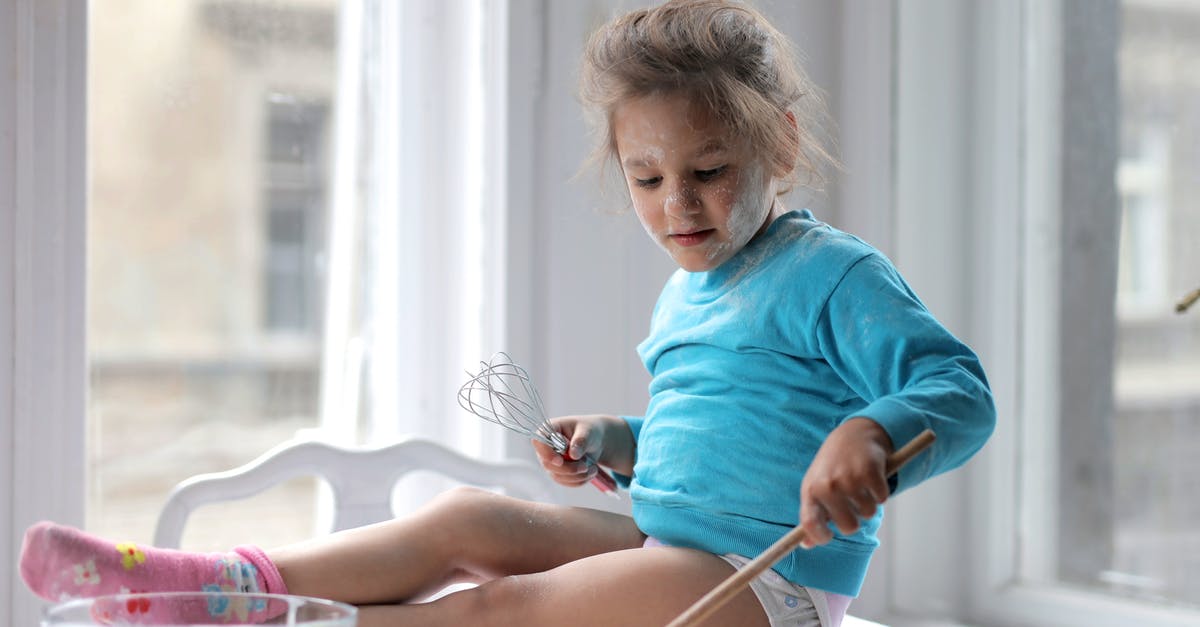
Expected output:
(60, 562)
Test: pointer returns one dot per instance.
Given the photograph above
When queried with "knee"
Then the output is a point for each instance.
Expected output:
(463, 500)
(467, 511)
(508, 600)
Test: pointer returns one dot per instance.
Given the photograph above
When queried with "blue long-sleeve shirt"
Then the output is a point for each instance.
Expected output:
(754, 363)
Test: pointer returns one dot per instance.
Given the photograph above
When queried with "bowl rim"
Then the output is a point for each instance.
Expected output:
(55, 609)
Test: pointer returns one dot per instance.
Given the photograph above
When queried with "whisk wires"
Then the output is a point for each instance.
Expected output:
(503, 393)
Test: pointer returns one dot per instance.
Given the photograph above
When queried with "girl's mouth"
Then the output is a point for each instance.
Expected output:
(691, 239)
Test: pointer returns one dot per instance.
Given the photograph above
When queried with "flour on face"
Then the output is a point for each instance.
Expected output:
(699, 192)
(751, 209)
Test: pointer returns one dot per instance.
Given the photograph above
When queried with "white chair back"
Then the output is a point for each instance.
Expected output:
(361, 479)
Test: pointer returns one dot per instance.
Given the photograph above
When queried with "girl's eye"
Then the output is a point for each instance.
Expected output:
(650, 182)
(708, 175)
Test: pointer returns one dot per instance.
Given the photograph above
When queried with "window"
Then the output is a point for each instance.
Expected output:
(278, 226)
(47, 122)
(1084, 228)
(1070, 128)
(1155, 549)
(209, 156)
(1126, 407)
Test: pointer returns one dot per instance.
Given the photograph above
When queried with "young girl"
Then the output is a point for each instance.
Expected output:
(788, 359)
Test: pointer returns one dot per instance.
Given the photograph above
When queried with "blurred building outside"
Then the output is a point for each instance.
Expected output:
(209, 134)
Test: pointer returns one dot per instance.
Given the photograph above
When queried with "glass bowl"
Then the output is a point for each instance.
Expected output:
(197, 609)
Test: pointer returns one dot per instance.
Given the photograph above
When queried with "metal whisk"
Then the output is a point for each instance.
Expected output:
(502, 392)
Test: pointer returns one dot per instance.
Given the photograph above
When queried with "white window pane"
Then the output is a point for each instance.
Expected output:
(1156, 542)
(209, 145)
(1129, 473)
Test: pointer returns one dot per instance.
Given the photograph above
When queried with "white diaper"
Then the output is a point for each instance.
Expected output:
(788, 604)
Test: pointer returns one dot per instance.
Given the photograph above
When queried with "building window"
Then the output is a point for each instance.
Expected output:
(296, 204)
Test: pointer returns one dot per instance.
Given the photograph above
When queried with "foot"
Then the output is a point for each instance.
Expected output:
(59, 562)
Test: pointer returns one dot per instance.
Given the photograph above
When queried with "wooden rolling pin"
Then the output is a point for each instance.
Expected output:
(1187, 301)
(720, 595)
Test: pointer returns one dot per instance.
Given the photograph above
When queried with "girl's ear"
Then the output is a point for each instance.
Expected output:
(791, 118)
(785, 163)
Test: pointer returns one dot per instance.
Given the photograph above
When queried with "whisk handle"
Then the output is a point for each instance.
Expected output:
(605, 482)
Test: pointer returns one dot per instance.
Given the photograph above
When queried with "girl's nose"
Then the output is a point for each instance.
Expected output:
(681, 200)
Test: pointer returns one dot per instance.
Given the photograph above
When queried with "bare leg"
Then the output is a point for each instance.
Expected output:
(464, 535)
(628, 588)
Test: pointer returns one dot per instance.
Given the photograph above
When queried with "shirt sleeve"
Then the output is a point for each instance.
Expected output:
(913, 373)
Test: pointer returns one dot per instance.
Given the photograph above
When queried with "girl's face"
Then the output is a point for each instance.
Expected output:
(698, 192)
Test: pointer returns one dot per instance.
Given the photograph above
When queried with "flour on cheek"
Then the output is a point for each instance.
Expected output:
(748, 212)
(653, 154)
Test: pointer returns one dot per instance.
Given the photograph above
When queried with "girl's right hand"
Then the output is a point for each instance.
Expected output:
(601, 438)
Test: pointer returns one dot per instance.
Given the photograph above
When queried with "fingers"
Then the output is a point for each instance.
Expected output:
(846, 481)
(843, 502)
(566, 472)
(585, 443)
(546, 455)
(815, 521)
(571, 469)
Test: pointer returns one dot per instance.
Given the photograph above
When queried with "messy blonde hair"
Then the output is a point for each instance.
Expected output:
(724, 54)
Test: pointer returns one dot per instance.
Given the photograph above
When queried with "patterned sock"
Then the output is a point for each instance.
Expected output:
(59, 562)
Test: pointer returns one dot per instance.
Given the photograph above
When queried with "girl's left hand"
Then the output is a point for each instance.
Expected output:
(586, 437)
(846, 482)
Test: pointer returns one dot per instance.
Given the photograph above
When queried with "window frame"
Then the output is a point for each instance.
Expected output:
(43, 256)
(1014, 109)
(42, 277)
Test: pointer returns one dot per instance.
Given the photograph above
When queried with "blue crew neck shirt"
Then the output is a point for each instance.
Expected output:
(755, 362)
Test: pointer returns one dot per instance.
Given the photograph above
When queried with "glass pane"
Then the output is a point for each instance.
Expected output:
(1130, 379)
(1156, 541)
(209, 146)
